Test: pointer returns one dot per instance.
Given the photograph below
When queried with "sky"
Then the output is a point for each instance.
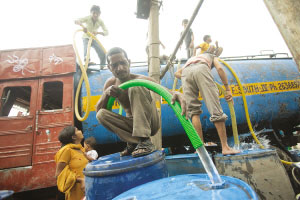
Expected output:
(242, 27)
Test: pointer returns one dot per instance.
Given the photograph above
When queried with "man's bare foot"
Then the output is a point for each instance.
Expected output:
(230, 151)
(210, 144)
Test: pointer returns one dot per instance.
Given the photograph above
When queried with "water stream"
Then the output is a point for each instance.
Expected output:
(213, 174)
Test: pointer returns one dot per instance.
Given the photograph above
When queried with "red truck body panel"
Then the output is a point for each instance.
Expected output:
(36, 89)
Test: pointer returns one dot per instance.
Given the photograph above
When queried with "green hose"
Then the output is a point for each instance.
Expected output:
(187, 125)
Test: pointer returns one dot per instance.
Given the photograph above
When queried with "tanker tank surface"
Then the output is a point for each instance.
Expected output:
(272, 87)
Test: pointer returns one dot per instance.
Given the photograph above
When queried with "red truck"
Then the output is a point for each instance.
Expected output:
(36, 89)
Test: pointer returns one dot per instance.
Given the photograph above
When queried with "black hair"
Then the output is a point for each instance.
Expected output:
(115, 50)
(185, 21)
(92, 142)
(206, 37)
(95, 9)
(65, 136)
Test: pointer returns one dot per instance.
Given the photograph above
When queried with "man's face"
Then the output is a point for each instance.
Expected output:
(119, 66)
(95, 15)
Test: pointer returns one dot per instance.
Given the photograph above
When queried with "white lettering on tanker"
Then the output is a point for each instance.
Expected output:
(55, 59)
(20, 64)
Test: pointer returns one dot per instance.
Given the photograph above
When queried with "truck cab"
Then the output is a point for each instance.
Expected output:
(36, 90)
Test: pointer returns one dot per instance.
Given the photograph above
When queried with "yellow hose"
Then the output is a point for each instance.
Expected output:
(84, 76)
(245, 103)
(233, 119)
(95, 38)
(246, 110)
(287, 162)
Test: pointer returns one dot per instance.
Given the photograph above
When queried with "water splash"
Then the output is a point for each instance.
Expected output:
(254, 146)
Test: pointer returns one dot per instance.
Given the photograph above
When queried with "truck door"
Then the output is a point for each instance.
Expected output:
(54, 112)
(17, 120)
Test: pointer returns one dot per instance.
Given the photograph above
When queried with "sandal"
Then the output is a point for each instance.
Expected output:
(144, 148)
(128, 150)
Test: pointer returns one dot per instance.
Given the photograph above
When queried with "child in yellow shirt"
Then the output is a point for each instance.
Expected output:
(205, 45)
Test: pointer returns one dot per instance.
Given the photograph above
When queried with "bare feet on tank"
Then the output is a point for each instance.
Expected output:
(230, 151)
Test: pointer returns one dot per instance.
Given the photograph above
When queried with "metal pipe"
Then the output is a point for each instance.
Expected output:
(181, 39)
(154, 63)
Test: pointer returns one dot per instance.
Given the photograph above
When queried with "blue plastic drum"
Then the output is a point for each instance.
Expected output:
(189, 187)
(112, 175)
(184, 164)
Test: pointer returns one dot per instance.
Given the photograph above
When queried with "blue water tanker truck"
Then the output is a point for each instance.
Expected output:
(271, 85)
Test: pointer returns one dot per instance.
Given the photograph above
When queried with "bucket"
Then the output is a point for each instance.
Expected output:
(111, 175)
(261, 169)
(184, 164)
(188, 187)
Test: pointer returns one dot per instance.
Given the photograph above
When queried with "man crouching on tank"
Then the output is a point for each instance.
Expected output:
(142, 120)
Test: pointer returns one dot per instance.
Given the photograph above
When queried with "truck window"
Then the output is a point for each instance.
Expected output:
(15, 101)
(52, 95)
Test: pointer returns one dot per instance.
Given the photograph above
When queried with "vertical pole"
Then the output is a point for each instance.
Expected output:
(285, 13)
(154, 62)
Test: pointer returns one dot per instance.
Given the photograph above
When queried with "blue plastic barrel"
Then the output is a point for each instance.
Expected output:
(184, 164)
(111, 175)
(189, 187)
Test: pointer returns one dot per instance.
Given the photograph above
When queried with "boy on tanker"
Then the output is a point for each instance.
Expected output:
(196, 77)
(93, 22)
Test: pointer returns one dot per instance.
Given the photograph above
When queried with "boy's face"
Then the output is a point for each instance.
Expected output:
(208, 40)
(95, 15)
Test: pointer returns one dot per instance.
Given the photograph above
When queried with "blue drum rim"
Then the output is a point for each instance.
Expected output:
(122, 170)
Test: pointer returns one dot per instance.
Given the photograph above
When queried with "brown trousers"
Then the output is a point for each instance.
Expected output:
(143, 123)
(198, 78)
